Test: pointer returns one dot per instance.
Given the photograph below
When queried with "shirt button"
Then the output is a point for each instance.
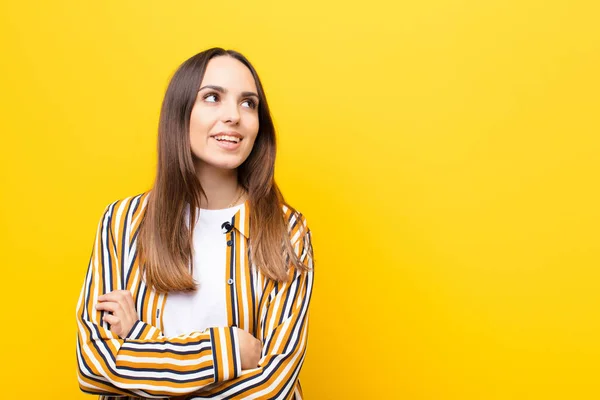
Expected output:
(230, 281)
(230, 243)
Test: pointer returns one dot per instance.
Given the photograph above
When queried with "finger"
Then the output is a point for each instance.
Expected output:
(130, 300)
(112, 320)
(110, 306)
(111, 296)
(127, 303)
(115, 295)
(121, 294)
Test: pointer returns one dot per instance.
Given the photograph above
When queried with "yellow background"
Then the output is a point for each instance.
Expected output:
(445, 154)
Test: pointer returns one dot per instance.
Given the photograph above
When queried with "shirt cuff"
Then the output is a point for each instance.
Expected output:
(227, 362)
(142, 331)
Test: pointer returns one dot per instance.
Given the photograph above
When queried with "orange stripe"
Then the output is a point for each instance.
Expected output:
(230, 355)
(174, 367)
(228, 275)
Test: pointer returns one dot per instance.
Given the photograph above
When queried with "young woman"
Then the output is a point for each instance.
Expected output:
(200, 287)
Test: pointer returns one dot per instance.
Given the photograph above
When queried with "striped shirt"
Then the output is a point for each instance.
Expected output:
(197, 365)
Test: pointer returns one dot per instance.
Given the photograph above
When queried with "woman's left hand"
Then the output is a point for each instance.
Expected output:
(123, 315)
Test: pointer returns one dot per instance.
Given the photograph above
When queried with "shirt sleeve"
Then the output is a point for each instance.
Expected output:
(284, 332)
(146, 363)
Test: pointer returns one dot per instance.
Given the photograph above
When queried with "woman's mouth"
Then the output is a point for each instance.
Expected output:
(226, 142)
(227, 138)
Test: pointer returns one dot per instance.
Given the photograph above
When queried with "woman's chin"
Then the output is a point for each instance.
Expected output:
(220, 164)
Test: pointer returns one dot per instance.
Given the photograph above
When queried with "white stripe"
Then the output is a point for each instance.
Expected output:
(138, 329)
(117, 238)
(291, 221)
(142, 208)
(133, 287)
(105, 252)
(126, 250)
(242, 259)
(164, 360)
(237, 354)
(223, 344)
(149, 375)
(296, 236)
(149, 305)
(276, 307)
(166, 346)
(264, 312)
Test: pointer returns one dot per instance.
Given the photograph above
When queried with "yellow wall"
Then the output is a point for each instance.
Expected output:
(444, 152)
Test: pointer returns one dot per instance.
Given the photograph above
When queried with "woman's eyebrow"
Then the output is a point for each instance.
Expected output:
(249, 94)
(213, 87)
(221, 89)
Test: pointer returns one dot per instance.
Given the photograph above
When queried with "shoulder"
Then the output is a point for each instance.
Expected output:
(124, 212)
(296, 222)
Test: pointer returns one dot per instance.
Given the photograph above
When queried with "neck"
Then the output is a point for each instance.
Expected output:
(220, 186)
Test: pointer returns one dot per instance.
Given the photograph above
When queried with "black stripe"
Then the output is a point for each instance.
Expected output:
(132, 248)
(264, 318)
(196, 342)
(232, 291)
(292, 215)
(215, 363)
(142, 292)
(106, 286)
(268, 343)
(254, 311)
(234, 358)
(138, 197)
(288, 298)
(161, 370)
(130, 266)
(135, 234)
(107, 215)
(168, 351)
(134, 237)
(123, 281)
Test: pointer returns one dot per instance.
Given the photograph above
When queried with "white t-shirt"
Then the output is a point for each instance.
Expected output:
(206, 307)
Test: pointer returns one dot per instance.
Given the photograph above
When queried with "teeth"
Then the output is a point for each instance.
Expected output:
(228, 138)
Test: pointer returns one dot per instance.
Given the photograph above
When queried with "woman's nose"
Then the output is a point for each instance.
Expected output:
(231, 113)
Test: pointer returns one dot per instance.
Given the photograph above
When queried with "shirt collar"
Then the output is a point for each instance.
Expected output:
(241, 219)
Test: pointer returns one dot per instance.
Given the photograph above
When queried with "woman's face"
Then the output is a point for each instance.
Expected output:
(224, 119)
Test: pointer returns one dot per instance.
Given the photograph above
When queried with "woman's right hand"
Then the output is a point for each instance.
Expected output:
(250, 349)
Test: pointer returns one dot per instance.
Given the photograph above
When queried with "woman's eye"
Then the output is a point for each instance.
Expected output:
(249, 104)
(211, 98)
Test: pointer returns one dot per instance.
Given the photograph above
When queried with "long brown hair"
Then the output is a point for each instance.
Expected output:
(165, 240)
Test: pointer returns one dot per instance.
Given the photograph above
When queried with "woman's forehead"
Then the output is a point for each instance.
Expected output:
(228, 73)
